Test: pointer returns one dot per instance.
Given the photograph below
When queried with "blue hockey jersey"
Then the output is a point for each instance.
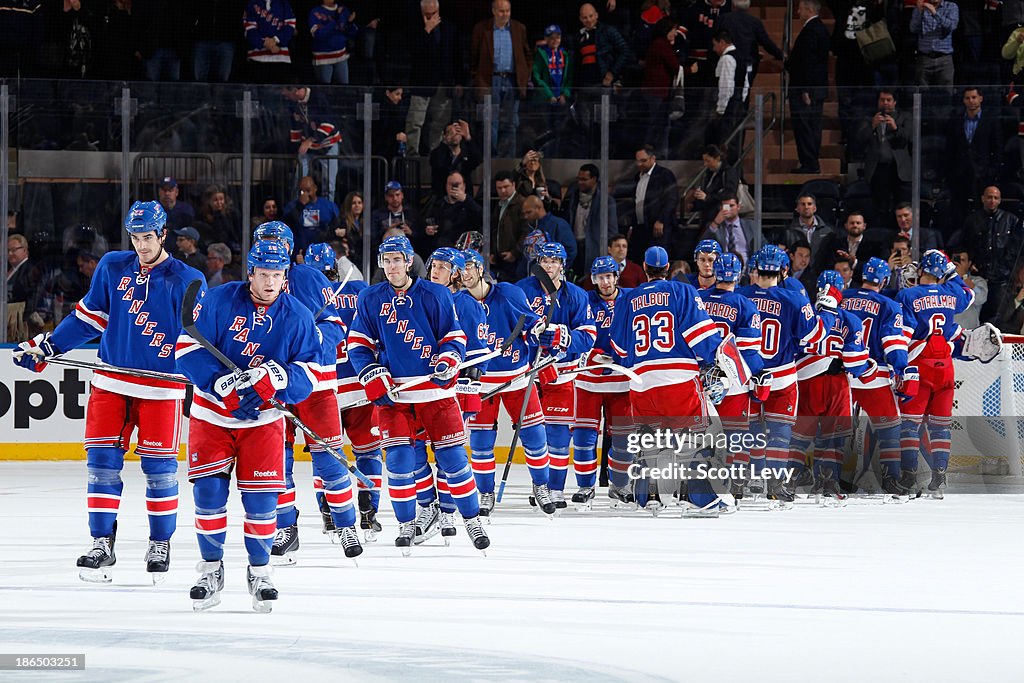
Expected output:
(349, 388)
(794, 285)
(406, 331)
(250, 335)
(572, 309)
(604, 313)
(928, 312)
(268, 19)
(663, 333)
(884, 339)
(136, 312)
(844, 341)
(503, 305)
(788, 323)
(332, 29)
(473, 321)
(736, 314)
(314, 291)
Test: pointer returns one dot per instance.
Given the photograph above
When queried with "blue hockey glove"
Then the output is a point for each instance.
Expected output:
(32, 354)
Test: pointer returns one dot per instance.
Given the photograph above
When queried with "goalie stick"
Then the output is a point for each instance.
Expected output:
(188, 323)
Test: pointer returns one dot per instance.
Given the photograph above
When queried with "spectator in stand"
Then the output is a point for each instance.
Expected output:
(602, 54)
(552, 77)
(886, 141)
(661, 66)
(187, 242)
(808, 85)
(218, 258)
(179, 213)
(500, 62)
(701, 21)
(313, 134)
(800, 268)
(437, 75)
(718, 178)
(808, 226)
(508, 227)
(731, 95)
(1013, 51)
(994, 240)
(82, 237)
(854, 77)
(655, 203)
(269, 27)
(113, 42)
(582, 207)
(899, 254)
(269, 211)
(530, 180)
(736, 235)
(630, 274)
(555, 229)
(455, 213)
(651, 12)
(215, 32)
(966, 269)
(457, 152)
(974, 147)
(904, 214)
(158, 40)
(846, 270)
(346, 268)
(1010, 317)
(934, 23)
(350, 225)
(748, 34)
(23, 281)
(851, 245)
(333, 28)
(397, 214)
(217, 219)
(389, 138)
(311, 218)
(679, 270)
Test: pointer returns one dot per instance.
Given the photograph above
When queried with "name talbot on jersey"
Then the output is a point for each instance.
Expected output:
(660, 299)
(928, 301)
(142, 318)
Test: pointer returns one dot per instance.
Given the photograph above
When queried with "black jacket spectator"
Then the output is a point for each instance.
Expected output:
(974, 164)
(748, 33)
(465, 159)
(453, 219)
(434, 57)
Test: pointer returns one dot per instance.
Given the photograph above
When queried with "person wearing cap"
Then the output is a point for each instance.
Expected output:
(187, 242)
(552, 77)
(396, 213)
(179, 213)
(310, 216)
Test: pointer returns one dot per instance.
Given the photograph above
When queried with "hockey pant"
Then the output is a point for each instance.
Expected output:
(559, 404)
(883, 412)
(426, 491)
(825, 418)
(589, 406)
(929, 414)
(483, 431)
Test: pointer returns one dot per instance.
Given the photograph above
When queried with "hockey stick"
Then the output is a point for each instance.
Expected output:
(132, 372)
(336, 291)
(188, 324)
(606, 366)
(505, 385)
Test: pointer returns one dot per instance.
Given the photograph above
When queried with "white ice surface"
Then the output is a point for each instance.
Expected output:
(928, 591)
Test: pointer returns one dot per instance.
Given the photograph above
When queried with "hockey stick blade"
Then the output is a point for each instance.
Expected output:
(188, 323)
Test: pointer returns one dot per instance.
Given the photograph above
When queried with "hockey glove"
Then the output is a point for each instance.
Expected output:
(467, 392)
(761, 386)
(445, 369)
(547, 374)
(226, 386)
(908, 383)
(537, 330)
(829, 299)
(597, 357)
(260, 384)
(983, 343)
(32, 354)
(556, 338)
(378, 384)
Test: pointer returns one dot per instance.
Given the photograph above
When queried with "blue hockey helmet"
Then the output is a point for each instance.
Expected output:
(785, 258)
(451, 256)
(769, 259)
(935, 263)
(269, 254)
(145, 217)
(397, 244)
(708, 247)
(728, 268)
(321, 256)
(876, 271)
(552, 250)
(830, 278)
(274, 230)
(473, 256)
(603, 264)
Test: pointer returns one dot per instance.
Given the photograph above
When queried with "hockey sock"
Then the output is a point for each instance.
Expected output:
(889, 455)
(619, 460)
(318, 491)
(260, 525)
(828, 457)
(910, 442)
(425, 492)
(798, 447)
(459, 477)
(584, 456)
(104, 488)
(210, 495)
(161, 496)
(286, 514)
(558, 456)
(337, 488)
(481, 445)
(444, 494)
(779, 435)
(402, 481)
(536, 446)
(371, 464)
(939, 441)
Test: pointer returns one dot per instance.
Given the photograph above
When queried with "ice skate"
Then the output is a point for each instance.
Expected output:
(486, 506)
(368, 518)
(908, 481)
(831, 496)
(327, 521)
(754, 496)
(802, 480)
(206, 593)
(406, 532)
(558, 498)
(158, 560)
(583, 499)
(894, 493)
(447, 524)
(286, 542)
(710, 511)
(622, 497)
(541, 499)
(349, 539)
(477, 534)
(426, 522)
(261, 588)
(937, 483)
(736, 488)
(95, 564)
(654, 504)
(779, 495)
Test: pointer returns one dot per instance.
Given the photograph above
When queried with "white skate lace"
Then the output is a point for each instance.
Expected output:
(100, 548)
(447, 520)
(282, 537)
(158, 550)
(407, 530)
(349, 537)
(424, 517)
(474, 528)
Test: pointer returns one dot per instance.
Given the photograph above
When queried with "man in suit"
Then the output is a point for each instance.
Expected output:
(808, 85)
(930, 239)
(508, 227)
(852, 246)
(887, 165)
(973, 149)
(748, 33)
(736, 235)
(808, 227)
(500, 60)
(582, 207)
(655, 202)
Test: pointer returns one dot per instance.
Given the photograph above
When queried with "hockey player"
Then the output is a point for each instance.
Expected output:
(825, 411)
(409, 326)
(735, 314)
(320, 411)
(788, 322)
(600, 391)
(133, 305)
(273, 342)
(360, 422)
(705, 256)
(882, 320)
(436, 505)
(570, 334)
(507, 375)
(928, 310)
